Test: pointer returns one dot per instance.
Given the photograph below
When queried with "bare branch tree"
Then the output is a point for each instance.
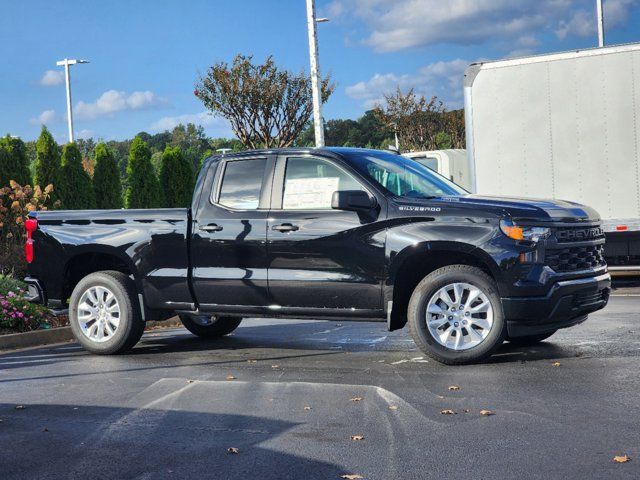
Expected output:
(266, 106)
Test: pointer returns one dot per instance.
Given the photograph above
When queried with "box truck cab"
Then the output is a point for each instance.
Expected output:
(452, 164)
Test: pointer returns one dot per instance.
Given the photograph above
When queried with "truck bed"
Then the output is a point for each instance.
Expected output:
(151, 244)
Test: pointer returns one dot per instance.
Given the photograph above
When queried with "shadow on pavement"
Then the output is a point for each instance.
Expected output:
(68, 441)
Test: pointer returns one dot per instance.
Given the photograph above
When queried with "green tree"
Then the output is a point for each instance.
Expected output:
(107, 187)
(75, 191)
(47, 170)
(13, 162)
(143, 190)
(176, 179)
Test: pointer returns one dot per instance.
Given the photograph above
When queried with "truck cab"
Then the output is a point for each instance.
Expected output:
(332, 233)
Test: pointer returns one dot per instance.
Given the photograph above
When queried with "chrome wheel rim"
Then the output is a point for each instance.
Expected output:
(98, 314)
(459, 316)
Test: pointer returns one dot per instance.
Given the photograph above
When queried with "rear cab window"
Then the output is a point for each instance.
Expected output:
(241, 185)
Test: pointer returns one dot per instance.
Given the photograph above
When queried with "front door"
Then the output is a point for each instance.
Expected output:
(228, 250)
(319, 257)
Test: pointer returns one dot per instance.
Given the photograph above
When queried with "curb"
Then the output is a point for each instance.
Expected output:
(37, 338)
(13, 341)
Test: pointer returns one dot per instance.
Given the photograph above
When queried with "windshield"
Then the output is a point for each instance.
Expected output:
(402, 176)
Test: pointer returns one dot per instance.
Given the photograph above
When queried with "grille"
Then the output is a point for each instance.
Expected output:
(570, 259)
(578, 234)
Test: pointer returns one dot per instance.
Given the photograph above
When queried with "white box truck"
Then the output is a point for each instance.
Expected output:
(451, 163)
(563, 126)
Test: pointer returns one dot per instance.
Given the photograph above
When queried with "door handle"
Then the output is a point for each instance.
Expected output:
(285, 227)
(212, 227)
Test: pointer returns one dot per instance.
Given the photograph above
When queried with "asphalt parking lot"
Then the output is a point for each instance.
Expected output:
(290, 395)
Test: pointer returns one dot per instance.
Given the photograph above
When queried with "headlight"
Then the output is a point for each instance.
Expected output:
(533, 234)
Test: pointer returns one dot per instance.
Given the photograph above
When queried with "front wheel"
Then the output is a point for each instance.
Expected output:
(210, 326)
(455, 315)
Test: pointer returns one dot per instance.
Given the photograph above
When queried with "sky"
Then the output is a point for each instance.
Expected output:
(145, 55)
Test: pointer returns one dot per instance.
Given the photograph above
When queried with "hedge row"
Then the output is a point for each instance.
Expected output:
(75, 189)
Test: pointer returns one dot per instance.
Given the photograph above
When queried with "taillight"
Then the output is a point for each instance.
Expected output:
(31, 225)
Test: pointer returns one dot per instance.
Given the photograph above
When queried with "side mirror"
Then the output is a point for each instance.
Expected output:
(353, 200)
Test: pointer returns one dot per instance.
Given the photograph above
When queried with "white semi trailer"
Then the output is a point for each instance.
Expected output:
(564, 126)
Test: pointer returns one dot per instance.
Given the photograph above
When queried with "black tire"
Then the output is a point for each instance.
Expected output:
(416, 315)
(131, 324)
(219, 326)
(530, 340)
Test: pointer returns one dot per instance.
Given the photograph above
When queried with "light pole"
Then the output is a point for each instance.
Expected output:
(600, 13)
(315, 71)
(65, 63)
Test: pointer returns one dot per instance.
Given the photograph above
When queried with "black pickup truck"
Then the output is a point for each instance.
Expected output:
(331, 233)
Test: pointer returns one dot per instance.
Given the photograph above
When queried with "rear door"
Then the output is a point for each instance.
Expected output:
(320, 257)
(228, 249)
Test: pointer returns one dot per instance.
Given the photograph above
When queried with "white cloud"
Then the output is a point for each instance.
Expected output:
(51, 78)
(582, 23)
(205, 119)
(443, 79)
(399, 24)
(45, 117)
(113, 101)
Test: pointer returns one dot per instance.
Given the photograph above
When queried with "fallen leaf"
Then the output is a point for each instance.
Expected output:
(356, 399)
(454, 387)
(486, 413)
(230, 377)
(556, 364)
(622, 458)
(357, 437)
(351, 476)
(306, 407)
(440, 397)
(20, 407)
(393, 407)
(233, 450)
(447, 411)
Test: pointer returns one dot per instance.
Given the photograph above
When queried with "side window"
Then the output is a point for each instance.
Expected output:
(309, 184)
(242, 184)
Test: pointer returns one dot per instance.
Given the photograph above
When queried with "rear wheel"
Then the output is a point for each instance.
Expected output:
(529, 340)
(210, 326)
(103, 314)
(455, 315)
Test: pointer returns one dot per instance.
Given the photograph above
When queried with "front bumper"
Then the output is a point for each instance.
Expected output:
(567, 303)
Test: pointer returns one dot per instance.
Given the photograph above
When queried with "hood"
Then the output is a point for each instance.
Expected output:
(519, 209)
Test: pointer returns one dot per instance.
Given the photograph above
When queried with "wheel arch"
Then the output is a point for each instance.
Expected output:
(83, 263)
(415, 262)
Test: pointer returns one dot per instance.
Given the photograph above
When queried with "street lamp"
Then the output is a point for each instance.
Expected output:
(65, 63)
(315, 71)
(600, 14)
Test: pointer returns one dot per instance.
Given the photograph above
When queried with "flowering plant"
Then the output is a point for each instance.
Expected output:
(16, 313)
(16, 201)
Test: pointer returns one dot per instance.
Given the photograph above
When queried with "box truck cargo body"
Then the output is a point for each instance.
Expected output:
(562, 126)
